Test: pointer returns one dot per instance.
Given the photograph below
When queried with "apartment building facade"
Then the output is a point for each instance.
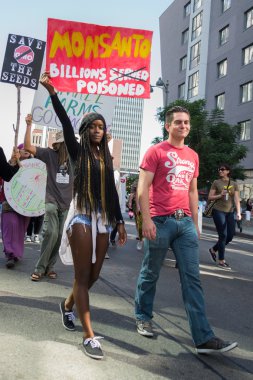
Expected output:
(212, 59)
(127, 126)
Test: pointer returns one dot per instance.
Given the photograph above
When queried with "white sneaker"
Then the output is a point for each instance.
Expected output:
(139, 245)
(36, 239)
(107, 256)
(28, 239)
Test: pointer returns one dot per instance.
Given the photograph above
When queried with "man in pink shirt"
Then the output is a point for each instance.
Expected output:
(168, 198)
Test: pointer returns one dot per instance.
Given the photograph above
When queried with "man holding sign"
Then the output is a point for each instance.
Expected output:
(58, 197)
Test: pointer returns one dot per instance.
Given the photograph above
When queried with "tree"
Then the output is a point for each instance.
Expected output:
(214, 140)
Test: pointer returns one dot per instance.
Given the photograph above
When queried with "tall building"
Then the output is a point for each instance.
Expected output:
(127, 126)
(207, 53)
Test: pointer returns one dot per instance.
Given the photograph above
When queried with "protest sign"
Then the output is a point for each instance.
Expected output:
(95, 59)
(75, 105)
(26, 190)
(22, 61)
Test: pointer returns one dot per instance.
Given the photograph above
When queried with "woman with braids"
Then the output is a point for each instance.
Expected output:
(94, 208)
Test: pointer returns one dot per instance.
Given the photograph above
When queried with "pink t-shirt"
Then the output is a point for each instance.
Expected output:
(174, 168)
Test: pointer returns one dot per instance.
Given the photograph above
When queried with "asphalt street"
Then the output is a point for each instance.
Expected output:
(34, 344)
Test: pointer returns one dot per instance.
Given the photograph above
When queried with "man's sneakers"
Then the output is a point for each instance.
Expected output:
(92, 347)
(36, 239)
(67, 317)
(10, 263)
(144, 328)
(113, 243)
(139, 245)
(215, 345)
(28, 239)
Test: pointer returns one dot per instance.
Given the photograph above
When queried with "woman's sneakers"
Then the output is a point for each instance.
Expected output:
(224, 265)
(92, 347)
(213, 254)
(67, 317)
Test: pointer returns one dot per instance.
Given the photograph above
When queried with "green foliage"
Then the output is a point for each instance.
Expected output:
(129, 182)
(214, 140)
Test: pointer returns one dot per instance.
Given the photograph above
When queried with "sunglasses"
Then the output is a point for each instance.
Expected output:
(221, 169)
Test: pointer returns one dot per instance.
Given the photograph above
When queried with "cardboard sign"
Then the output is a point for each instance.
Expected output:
(27, 189)
(76, 105)
(95, 59)
(22, 61)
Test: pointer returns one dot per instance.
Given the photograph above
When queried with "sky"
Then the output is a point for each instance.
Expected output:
(28, 19)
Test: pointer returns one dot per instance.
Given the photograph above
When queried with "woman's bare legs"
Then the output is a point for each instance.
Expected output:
(86, 273)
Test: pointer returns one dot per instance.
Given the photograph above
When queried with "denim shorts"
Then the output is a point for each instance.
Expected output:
(85, 220)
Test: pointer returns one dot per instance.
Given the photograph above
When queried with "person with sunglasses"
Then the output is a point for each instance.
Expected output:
(225, 192)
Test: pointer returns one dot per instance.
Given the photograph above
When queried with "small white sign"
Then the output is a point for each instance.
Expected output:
(27, 189)
(75, 104)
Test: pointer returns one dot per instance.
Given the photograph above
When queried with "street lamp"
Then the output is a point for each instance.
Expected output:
(163, 86)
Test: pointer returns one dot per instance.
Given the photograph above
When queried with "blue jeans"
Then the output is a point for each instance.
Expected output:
(181, 236)
(225, 226)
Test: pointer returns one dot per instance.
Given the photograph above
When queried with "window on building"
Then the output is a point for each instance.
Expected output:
(195, 55)
(222, 68)
(245, 130)
(193, 85)
(36, 140)
(247, 55)
(181, 91)
(185, 36)
(249, 18)
(187, 9)
(197, 25)
(225, 5)
(224, 34)
(246, 92)
(220, 101)
(197, 4)
(183, 63)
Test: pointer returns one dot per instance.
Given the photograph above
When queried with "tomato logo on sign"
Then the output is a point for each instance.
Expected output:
(24, 55)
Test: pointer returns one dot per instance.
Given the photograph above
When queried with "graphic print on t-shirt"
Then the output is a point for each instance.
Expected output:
(180, 171)
(62, 175)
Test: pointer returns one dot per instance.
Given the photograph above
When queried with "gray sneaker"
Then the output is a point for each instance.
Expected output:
(144, 328)
(215, 345)
(92, 347)
(67, 317)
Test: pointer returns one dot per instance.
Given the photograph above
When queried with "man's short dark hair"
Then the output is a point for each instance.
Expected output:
(171, 111)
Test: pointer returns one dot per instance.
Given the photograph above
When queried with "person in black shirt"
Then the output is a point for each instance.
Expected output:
(7, 171)
(94, 208)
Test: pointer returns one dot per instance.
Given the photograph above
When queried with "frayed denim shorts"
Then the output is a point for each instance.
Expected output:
(86, 220)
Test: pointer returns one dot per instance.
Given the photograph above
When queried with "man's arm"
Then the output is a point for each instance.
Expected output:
(27, 142)
(145, 181)
(194, 200)
(7, 171)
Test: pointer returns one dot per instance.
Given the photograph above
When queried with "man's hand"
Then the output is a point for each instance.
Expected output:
(29, 120)
(45, 80)
(198, 231)
(122, 234)
(15, 156)
(149, 229)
